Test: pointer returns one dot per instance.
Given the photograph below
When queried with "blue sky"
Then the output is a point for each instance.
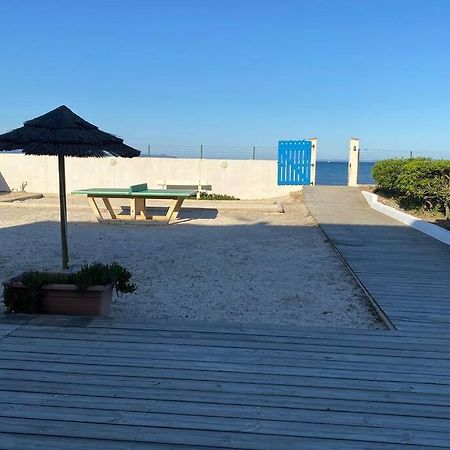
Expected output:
(238, 73)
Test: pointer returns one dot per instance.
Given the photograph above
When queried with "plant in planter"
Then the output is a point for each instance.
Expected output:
(86, 292)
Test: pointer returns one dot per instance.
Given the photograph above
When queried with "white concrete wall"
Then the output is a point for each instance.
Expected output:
(245, 179)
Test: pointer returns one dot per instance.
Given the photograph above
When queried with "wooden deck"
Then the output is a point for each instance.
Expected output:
(77, 383)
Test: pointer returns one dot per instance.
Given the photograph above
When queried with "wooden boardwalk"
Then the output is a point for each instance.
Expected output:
(77, 383)
(406, 272)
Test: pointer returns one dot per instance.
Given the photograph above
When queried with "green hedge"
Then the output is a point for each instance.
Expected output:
(415, 183)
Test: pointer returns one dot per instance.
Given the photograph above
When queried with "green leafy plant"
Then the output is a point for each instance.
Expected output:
(30, 300)
(438, 191)
(418, 183)
(103, 274)
(206, 196)
(386, 173)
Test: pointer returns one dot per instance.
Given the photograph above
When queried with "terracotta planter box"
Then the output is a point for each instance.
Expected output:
(66, 299)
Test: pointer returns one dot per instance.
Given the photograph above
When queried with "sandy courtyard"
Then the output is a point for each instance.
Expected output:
(241, 262)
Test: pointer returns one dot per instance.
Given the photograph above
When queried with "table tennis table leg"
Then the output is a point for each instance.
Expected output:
(137, 209)
(95, 210)
(108, 206)
(174, 209)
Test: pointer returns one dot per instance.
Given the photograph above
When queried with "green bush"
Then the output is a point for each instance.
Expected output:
(89, 275)
(415, 183)
(386, 173)
(412, 183)
(206, 196)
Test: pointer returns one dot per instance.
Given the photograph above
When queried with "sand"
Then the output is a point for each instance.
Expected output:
(232, 261)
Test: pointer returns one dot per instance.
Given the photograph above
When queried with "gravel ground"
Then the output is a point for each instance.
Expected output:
(239, 262)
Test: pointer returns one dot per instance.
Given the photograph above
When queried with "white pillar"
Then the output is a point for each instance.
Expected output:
(313, 160)
(353, 162)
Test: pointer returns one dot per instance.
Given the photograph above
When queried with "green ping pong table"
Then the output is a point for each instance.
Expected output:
(138, 194)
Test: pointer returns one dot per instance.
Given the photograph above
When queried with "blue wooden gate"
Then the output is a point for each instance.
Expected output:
(294, 162)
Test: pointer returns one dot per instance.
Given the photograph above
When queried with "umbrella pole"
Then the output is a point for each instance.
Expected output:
(63, 211)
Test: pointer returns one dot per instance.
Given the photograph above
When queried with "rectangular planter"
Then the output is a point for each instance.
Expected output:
(66, 299)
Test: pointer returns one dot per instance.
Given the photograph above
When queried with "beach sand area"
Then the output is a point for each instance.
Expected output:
(240, 261)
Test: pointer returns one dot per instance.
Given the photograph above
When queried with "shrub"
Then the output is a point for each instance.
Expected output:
(412, 183)
(416, 183)
(206, 196)
(88, 275)
(386, 173)
(438, 187)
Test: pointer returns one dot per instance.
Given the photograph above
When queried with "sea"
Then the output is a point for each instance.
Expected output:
(335, 173)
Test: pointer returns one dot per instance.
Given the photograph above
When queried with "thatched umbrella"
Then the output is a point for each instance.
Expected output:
(62, 133)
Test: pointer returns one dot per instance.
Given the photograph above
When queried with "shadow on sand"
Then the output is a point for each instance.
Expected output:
(185, 213)
(247, 272)
(252, 260)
